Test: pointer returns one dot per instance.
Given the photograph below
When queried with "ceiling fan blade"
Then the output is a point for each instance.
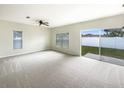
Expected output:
(46, 23)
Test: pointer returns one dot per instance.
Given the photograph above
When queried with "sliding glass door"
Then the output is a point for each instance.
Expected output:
(103, 44)
(112, 46)
(90, 43)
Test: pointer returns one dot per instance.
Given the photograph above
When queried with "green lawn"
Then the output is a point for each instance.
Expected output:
(117, 53)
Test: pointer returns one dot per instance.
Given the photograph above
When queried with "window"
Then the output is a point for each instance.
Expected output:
(62, 40)
(58, 40)
(17, 39)
(103, 44)
(65, 43)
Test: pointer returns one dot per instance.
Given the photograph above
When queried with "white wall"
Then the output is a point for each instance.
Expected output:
(74, 31)
(34, 38)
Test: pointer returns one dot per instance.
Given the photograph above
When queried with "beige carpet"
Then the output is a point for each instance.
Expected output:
(53, 69)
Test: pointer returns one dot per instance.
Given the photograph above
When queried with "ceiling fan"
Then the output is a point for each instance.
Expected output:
(40, 22)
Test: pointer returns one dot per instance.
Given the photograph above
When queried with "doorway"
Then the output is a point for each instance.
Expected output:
(103, 44)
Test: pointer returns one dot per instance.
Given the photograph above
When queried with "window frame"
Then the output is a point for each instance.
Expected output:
(20, 40)
(62, 41)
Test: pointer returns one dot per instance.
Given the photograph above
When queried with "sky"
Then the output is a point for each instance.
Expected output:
(93, 31)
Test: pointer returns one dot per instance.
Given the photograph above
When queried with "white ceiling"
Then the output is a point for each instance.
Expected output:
(58, 15)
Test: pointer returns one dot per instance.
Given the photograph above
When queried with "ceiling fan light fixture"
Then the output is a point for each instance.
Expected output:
(28, 17)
